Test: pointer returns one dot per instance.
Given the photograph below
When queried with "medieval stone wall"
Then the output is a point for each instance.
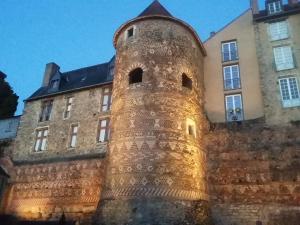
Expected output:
(45, 191)
(254, 174)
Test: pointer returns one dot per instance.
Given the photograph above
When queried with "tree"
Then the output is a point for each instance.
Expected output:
(8, 99)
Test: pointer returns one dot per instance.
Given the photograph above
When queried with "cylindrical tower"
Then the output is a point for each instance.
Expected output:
(156, 173)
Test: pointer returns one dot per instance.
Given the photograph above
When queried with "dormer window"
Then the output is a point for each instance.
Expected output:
(274, 7)
(54, 84)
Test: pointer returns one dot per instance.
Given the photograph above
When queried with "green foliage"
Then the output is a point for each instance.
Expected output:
(8, 99)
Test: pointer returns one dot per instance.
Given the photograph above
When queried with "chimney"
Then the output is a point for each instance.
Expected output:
(293, 2)
(50, 70)
(254, 6)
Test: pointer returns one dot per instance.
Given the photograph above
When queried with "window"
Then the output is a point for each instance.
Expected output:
(130, 32)
(106, 99)
(234, 107)
(283, 58)
(69, 103)
(274, 7)
(231, 77)
(191, 127)
(103, 134)
(46, 110)
(187, 82)
(41, 140)
(289, 92)
(191, 130)
(229, 51)
(136, 76)
(73, 139)
(54, 84)
(278, 30)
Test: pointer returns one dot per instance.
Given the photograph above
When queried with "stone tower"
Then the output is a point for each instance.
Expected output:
(156, 172)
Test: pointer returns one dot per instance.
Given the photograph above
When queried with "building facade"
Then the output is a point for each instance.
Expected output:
(169, 131)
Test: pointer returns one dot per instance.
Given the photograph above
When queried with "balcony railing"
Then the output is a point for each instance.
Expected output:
(235, 115)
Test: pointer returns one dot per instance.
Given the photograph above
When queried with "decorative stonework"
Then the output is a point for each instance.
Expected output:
(44, 191)
(151, 155)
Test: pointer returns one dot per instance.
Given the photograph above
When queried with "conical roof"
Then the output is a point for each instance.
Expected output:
(155, 9)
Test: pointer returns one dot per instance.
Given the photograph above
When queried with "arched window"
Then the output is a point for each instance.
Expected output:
(136, 76)
(186, 81)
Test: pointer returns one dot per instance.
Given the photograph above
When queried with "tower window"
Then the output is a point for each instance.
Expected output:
(191, 127)
(191, 130)
(136, 76)
(186, 81)
(130, 32)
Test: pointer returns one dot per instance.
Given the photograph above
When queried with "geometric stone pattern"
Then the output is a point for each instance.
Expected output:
(151, 156)
(151, 153)
(44, 191)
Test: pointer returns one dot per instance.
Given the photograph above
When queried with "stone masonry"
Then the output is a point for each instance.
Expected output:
(154, 165)
(165, 163)
(254, 173)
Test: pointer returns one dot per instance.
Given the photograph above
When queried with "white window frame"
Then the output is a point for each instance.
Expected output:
(278, 30)
(284, 59)
(69, 106)
(274, 7)
(73, 135)
(41, 141)
(291, 102)
(232, 78)
(106, 99)
(236, 113)
(103, 130)
(46, 110)
(231, 58)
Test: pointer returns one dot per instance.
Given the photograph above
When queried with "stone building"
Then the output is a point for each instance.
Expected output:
(171, 130)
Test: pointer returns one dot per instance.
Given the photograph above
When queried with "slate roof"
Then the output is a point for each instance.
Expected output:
(155, 9)
(78, 79)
